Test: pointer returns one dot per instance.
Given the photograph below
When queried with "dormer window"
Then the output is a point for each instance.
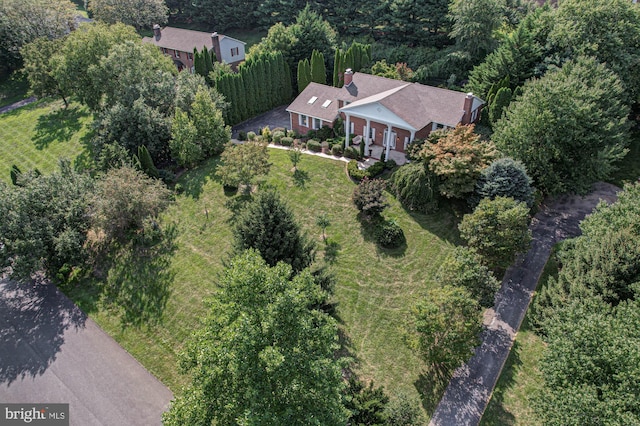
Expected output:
(326, 104)
(312, 100)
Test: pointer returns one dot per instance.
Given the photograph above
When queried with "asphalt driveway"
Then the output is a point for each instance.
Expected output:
(51, 352)
(470, 389)
(277, 117)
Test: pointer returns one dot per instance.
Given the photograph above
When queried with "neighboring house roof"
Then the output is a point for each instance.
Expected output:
(322, 94)
(411, 105)
(184, 40)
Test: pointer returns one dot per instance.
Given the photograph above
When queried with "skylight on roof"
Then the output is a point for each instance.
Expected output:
(326, 103)
(313, 99)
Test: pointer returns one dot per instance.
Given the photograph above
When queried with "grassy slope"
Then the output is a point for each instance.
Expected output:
(375, 287)
(36, 136)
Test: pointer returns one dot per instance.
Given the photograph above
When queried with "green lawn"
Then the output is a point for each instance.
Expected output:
(37, 135)
(13, 89)
(375, 287)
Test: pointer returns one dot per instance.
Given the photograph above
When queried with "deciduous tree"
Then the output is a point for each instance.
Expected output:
(572, 116)
(242, 163)
(141, 14)
(498, 229)
(263, 356)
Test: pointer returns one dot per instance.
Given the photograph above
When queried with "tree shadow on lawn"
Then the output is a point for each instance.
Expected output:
(34, 317)
(331, 251)
(431, 385)
(194, 180)
(300, 178)
(59, 125)
(443, 223)
(369, 226)
(139, 279)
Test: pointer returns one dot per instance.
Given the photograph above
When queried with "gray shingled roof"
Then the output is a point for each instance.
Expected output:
(415, 103)
(323, 93)
(183, 40)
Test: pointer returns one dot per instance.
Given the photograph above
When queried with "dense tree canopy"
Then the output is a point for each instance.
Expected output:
(141, 14)
(571, 116)
(22, 22)
(504, 177)
(498, 229)
(474, 22)
(241, 164)
(44, 221)
(263, 356)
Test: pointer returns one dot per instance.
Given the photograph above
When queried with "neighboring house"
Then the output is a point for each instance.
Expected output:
(179, 44)
(384, 114)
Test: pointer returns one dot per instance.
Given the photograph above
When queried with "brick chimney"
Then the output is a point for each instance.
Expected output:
(216, 46)
(157, 32)
(468, 104)
(348, 77)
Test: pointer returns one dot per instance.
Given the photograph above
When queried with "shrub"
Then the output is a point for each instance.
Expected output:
(314, 145)
(375, 169)
(286, 141)
(390, 235)
(354, 171)
(251, 136)
(266, 134)
(415, 187)
(352, 152)
(414, 149)
(390, 164)
(292, 134)
(331, 142)
(505, 177)
(369, 198)
(337, 150)
(277, 137)
(279, 129)
(242, 136)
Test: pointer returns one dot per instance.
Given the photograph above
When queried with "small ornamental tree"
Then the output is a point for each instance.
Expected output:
(497, 229)
(504, 177)
(415, 187)
(464, 268)
(457, 157)
(323, 222)
(369, 198)
(295, 155)
(242, 163)
(445, 327)
(268, 225)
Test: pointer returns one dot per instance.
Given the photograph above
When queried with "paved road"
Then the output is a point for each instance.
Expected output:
(50, 352)
(18, 104)
(469, 390)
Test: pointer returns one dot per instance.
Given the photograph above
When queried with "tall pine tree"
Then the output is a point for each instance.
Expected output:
(318, 69)
(304, 74)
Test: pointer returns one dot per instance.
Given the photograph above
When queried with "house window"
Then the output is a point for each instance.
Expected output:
(312, 100)
(190, 56)
(406, 142)
(177, 54)
(372, 133)
(352, 129)
(326, 104)
(235, 51)
(303, 120)
(317, 123)
(474, 115)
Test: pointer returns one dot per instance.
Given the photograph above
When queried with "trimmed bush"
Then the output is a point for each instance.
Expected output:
(504, 177)
(277, 137)
(286, 141)
(415, 187)
(390, 164)
(375, 169)
(266, 134)
(314, 145)
(352, 152)
(337, 150)
(369, 198)
(355, 172)
(242, 136)
(251, 136)
(390, 235)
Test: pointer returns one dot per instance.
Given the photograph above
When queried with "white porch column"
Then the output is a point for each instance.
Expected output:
(413, 136)
(347, 129)
(366, 135)
(388, 142)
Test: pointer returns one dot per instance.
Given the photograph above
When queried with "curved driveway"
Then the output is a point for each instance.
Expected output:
(469, 390)
(50, 352)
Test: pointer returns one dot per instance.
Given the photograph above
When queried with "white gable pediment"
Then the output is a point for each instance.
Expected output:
(376, 112)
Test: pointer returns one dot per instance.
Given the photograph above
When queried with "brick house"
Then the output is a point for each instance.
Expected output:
(179, 44)
(384, 114)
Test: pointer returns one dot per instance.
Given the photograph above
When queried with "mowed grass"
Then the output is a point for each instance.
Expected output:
(38, 135)
(375, 287)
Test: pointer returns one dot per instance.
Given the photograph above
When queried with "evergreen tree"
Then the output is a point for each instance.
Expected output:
(304, 75)
(337, 68)
(146, 163)
(318, 69)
